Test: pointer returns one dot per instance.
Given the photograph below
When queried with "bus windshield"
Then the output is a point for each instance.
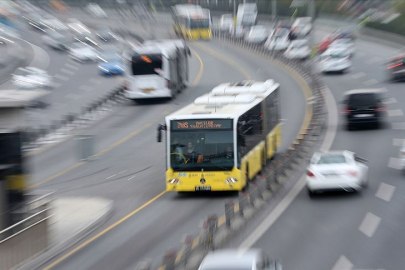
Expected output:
(199, 23)
(199, 149)
(146, 64)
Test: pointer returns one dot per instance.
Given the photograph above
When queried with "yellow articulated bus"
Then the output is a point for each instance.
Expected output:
(192, 22)
(223, 139)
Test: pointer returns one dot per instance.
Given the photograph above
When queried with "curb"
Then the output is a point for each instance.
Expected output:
(39, 261)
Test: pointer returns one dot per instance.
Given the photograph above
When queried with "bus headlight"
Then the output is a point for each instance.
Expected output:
(173, 181)
(231, 180)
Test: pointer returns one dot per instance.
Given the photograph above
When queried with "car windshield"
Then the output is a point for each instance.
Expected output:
(365, 99)
(202, 149)
(338, 55)
(332, 159)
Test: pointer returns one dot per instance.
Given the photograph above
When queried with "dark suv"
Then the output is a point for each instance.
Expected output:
(396, 68)
(363, 106)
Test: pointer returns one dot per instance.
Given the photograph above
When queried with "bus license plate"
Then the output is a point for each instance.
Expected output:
(206, 188)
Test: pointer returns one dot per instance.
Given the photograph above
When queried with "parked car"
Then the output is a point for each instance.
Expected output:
(302, 26)
(346, 44)
(341, 33)
(257, 34)
(298, 49)
(335, 59)
(31, 77)
(229, 259)
(278, 41)
(363, 106)
(336, 170)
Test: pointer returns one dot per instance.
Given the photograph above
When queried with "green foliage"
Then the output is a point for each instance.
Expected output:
(396, 26)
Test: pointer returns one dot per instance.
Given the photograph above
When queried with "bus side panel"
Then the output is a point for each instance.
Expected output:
(253, 160)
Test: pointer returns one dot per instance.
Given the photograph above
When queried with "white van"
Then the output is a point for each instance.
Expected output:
(247, 15)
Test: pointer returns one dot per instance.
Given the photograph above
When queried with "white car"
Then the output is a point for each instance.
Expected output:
(31, 77)
(302, 26)
(225, 22)
(232, 259)
(344, 43)
(335, 60)
(298, 49)
(56, 40)
(336, 170)
(257, 34)
(96, 10)
(83, 53)
(278, 41)
(237, 31)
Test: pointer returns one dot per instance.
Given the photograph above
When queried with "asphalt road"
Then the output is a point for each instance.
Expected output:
(132, 173)
(352, 231)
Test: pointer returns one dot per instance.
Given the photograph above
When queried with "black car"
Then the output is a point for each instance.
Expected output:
(364, 106)
(396, 68)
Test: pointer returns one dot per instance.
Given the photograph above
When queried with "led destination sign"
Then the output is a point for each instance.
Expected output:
(201, 124)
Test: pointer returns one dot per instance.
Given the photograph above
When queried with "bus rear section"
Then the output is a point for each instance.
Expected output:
(156, 72)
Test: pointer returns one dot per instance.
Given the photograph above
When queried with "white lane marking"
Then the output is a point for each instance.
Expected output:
(398, 142)
(385, 192)
(73, 96)
(111, 176)
(395, 163)
(64, 70)
(95, 81)
(359, 75)
(61, 77)
(342, 263)
(370, 82)
(289, 198)
(390, 101)
(86, 88)
(121, 172)
(373, 60)
(131, 177)
(395, 112)
(71, 66)
(369, 224)
(400, 125)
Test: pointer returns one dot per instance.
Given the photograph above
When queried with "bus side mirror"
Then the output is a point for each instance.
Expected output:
(159, 132)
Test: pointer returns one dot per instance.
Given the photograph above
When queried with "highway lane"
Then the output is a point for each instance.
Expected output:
(76, 85)
(132, 173)
(363, 230)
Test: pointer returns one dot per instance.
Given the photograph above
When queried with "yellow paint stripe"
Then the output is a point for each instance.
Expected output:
(225, 59)
(200, 72)
(73, 251)
(221, 220)
(195, 242)
(178, 257)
